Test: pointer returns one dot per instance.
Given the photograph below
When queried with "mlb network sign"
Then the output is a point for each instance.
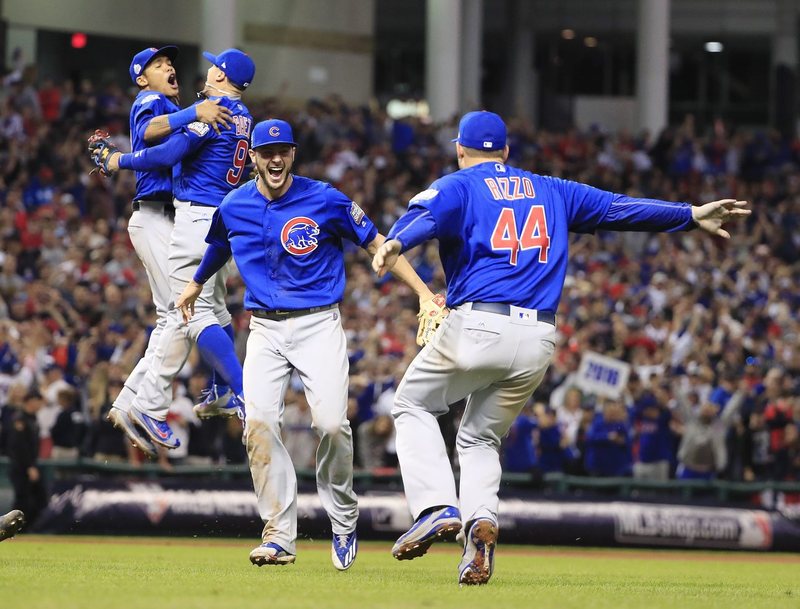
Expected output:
(603, 376)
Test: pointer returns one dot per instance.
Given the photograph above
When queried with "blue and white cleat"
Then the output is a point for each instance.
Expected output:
(477, 562)
(158, 431)
(269, 553)
(344, 550)
(214, 404)
(120, 419)
(440, 525)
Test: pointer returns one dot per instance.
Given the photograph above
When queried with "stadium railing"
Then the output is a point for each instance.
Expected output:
(719, 490)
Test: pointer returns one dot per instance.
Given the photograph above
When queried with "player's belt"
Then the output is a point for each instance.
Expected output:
(167, 208)
(279, 315)
(548, 317)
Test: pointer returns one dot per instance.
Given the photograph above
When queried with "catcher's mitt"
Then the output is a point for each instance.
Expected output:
(431, 313)
(101, 149)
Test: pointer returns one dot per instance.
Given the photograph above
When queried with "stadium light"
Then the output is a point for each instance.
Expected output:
(590, 41)
(713, 47)
(78, 40)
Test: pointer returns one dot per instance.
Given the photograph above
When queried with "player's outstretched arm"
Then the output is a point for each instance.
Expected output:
(399, 267)
(185, 302)
(711, 216)
(208, 111)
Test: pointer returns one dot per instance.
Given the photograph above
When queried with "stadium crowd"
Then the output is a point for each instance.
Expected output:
(710, 328)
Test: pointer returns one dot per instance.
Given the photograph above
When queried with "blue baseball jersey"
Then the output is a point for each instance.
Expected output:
(289, 251)
(214, 164)
(156, 184)
(503, 232)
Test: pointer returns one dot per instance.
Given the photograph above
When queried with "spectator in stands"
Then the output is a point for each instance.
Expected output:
(555, 452)
(569, 414)
(13, 404)
(747, 288)
(70, 425)
(608, 442)
(778, 417)
(30, 495)
(702, 452)
(651, 419)
(519, 450)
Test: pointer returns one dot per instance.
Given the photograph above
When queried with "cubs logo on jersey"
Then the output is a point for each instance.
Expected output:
(299, 236)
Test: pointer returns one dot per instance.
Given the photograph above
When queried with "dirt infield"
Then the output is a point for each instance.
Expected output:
(668, 554)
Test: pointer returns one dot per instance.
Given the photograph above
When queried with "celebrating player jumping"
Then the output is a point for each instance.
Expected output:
(154, 115)
(503, 235)
(211, 165)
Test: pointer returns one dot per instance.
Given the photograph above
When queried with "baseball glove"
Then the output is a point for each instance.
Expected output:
(431, 313)
(101, 149)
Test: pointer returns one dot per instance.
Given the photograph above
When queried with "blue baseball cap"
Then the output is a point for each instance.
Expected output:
(482, 130)
(272, 131)
(142, 58)
(236, 65)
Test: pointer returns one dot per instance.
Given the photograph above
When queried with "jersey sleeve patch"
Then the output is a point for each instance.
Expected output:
(198, 128)
(356, 212)
(425, 195)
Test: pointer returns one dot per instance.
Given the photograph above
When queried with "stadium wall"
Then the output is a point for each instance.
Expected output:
(228, 508)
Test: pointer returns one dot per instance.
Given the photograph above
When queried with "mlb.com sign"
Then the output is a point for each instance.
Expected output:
(602, 375)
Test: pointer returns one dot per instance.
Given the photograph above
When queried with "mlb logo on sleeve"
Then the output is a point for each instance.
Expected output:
(356, 212)
(198, 128)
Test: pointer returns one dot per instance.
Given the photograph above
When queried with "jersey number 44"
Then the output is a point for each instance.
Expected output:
(505, 236)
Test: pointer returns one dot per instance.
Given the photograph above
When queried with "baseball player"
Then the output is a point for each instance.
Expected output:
(154, 115)
(285, 233)
(211, 165)
(503, 235)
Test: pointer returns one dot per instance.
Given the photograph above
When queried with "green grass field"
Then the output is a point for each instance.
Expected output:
(128, 573)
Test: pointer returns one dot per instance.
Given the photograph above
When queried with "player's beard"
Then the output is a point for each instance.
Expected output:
(270, 182)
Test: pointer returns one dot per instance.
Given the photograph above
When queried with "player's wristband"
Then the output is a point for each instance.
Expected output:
(182, 118)
(124, 160)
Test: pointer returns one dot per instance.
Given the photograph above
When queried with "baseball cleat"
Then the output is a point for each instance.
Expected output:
(440, 525)
(270, 554)
(344, 550)
(158, 431)
(477, 563)
(11, 524)
(121, 421)
(214, 404)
